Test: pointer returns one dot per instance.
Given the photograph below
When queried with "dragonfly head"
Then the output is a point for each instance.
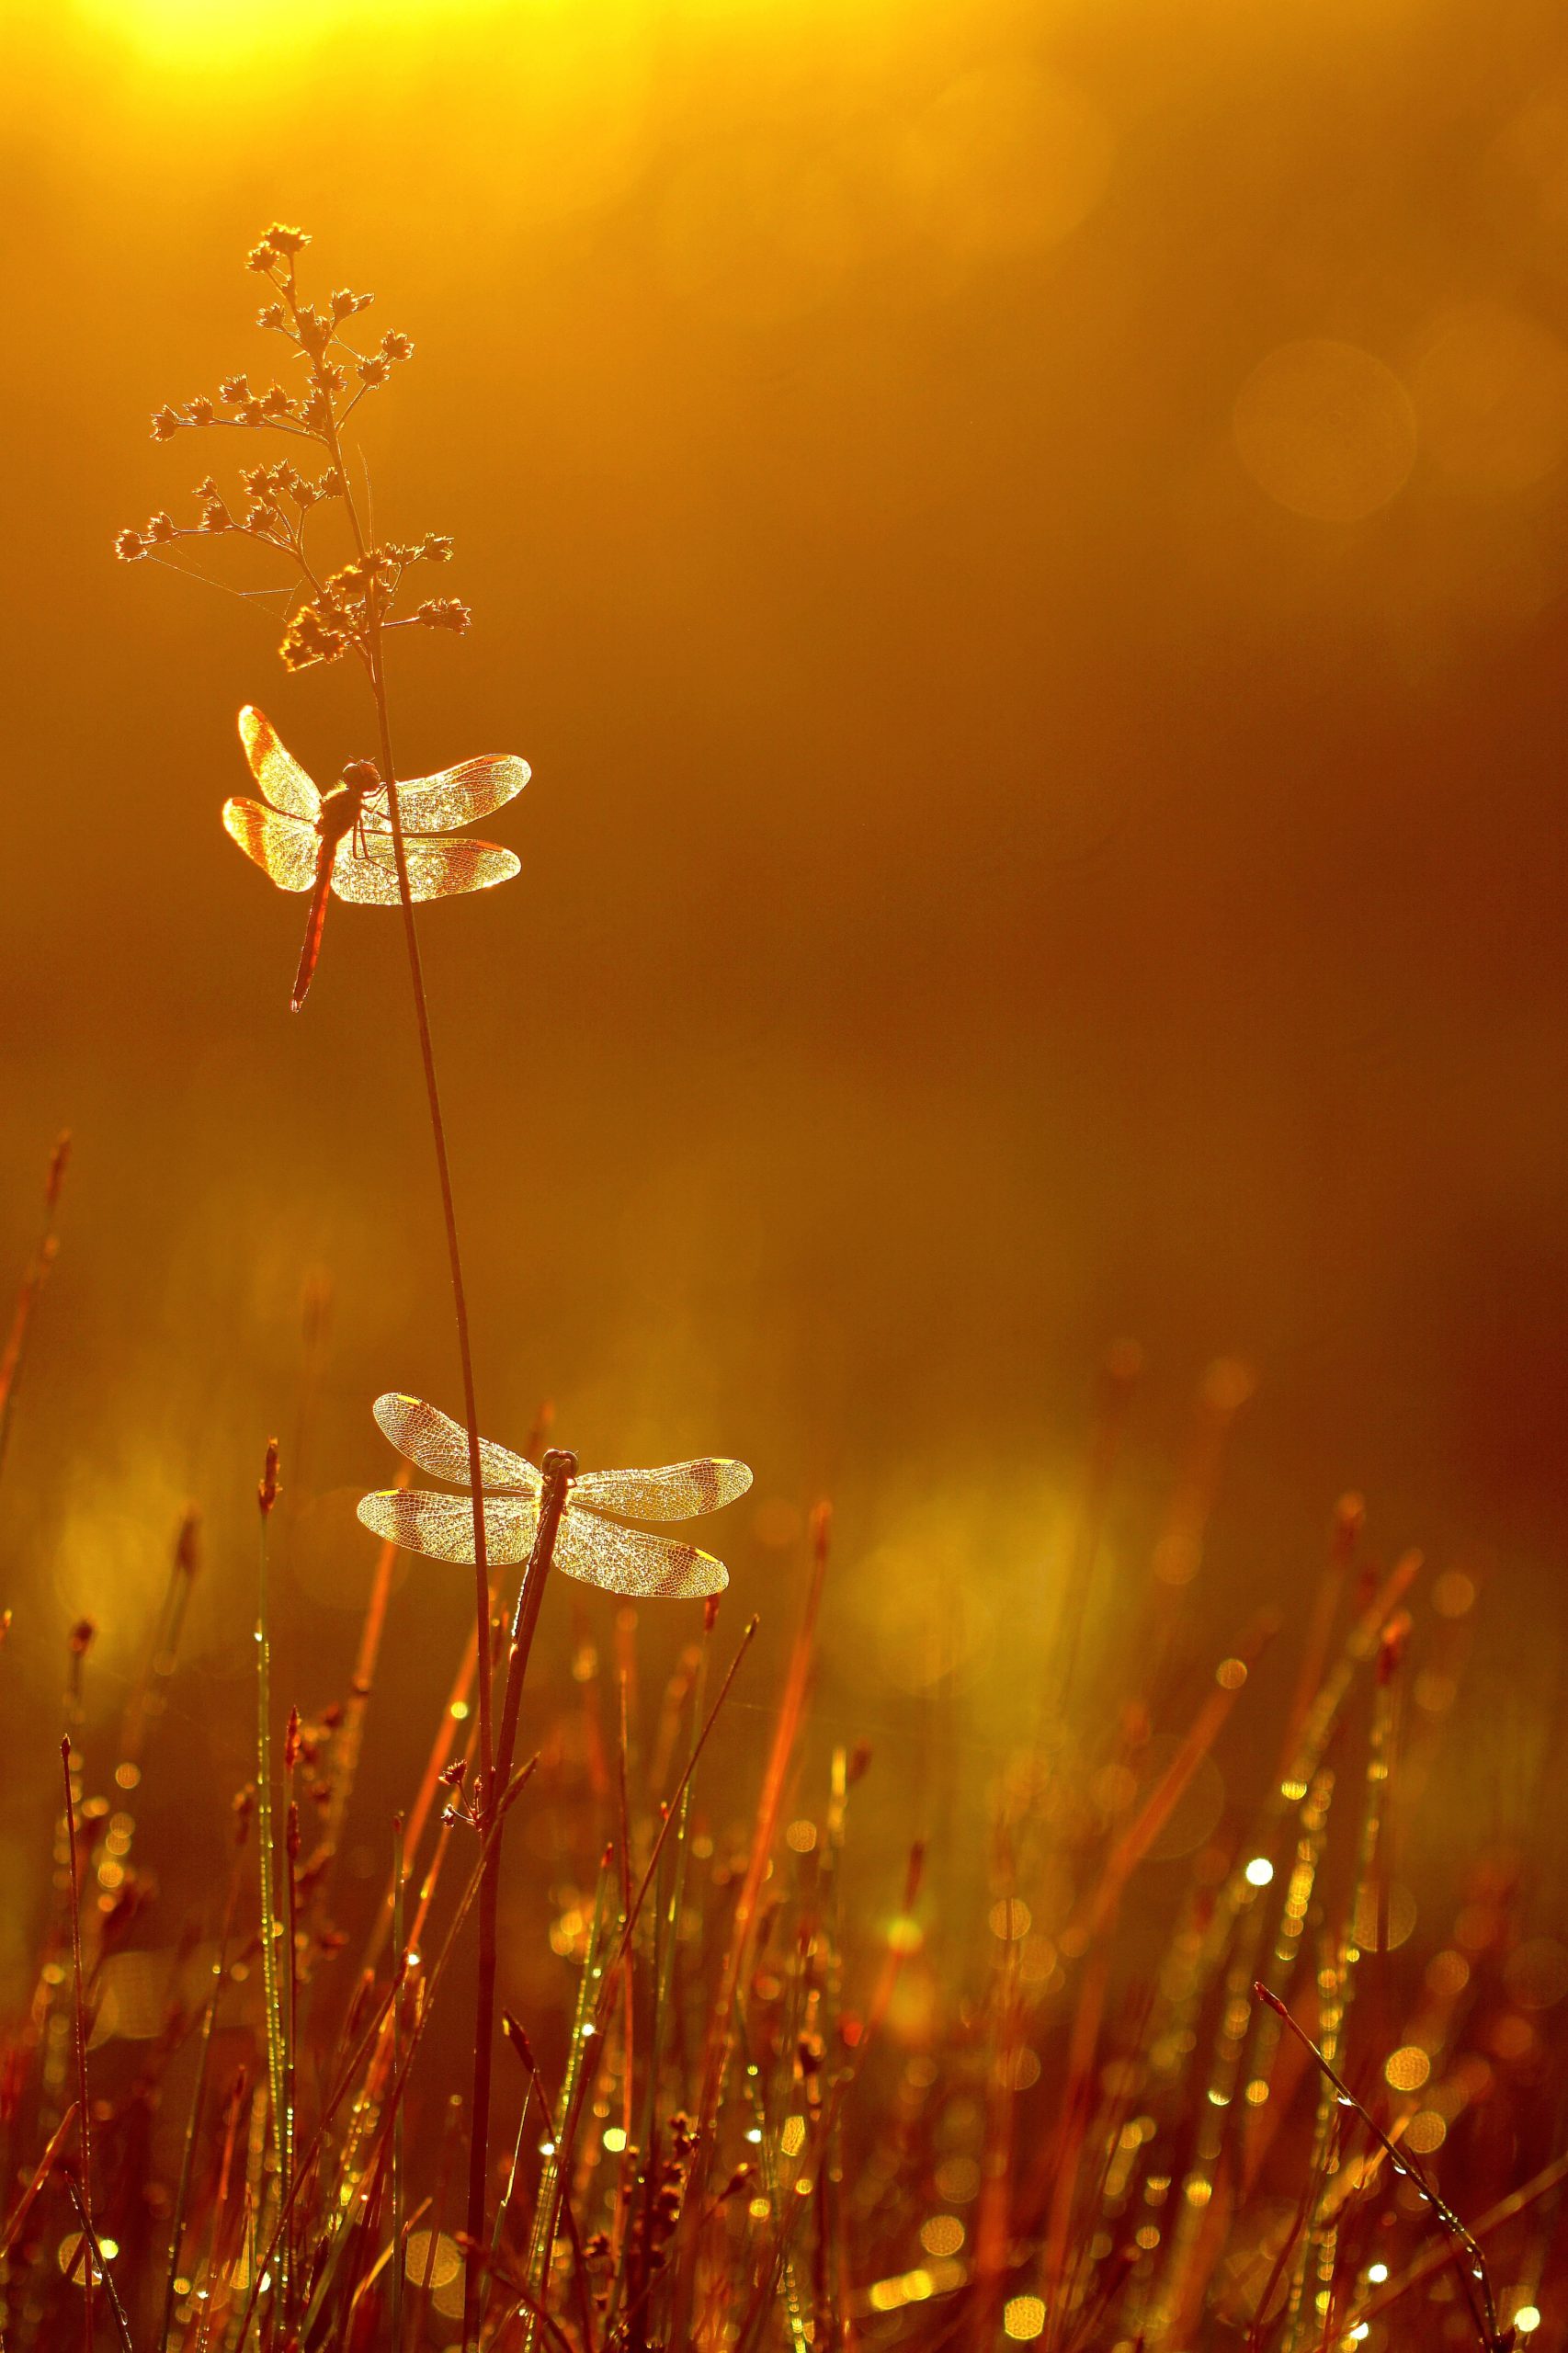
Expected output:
(361, 776)
(559, 1462)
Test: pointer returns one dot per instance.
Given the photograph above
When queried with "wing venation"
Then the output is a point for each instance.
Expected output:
(677, 1491)
(439, 1445)
(631, 1561)
(441, 1526)
(365, 871)
(282, 781)
(282, 846)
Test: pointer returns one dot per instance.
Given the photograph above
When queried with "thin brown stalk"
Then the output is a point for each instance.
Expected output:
(672, 1809)
(40, 2176)
(721, 2030)
(377, 667)
(1465, 2255)
(559, 1466)
(352, 2070)
(83, 2107)
(31, 1285)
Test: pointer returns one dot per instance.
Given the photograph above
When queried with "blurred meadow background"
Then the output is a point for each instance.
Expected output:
(1024, 546)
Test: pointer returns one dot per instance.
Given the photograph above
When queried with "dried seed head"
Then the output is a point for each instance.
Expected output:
(188, 1548)
(444, 612)
(267, 1486)
(166, 423)
(129, 545)
(513, 2031)
(291, 1740)
(80, 1637)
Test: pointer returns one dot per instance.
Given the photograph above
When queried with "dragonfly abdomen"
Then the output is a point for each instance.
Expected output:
(315, 921)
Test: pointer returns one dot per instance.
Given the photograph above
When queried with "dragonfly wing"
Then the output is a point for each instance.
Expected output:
(678, 1491)
(631, 1561)
(367, 872)
(439, 1445)
(282, 781)
(282, 846)
(434, 805)
(442, 1526)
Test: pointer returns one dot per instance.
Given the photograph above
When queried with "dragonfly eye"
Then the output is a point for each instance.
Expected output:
(361, 776)
(560, 1462)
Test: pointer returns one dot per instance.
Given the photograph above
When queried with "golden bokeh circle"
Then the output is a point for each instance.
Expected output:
(1325, 429)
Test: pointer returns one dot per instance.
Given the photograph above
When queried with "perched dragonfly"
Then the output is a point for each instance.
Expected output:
(342, 840)
(592, 1542)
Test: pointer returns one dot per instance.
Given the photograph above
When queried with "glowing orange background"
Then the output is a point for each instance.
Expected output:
(1024, 546)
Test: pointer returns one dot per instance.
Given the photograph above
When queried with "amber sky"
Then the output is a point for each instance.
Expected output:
(1024, 546)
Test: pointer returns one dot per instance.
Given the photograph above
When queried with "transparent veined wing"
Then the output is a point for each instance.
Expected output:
(282, 781)
(439, 1445)
(631, 1561)
(678, 1491)
(366, 871)
(442, 1526)
(282, 846)
(434, 805)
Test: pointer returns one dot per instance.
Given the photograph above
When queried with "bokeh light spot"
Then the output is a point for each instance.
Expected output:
(1406, 2069)
(1426, 2132)
(1492, 393)
(1536, 1974)
(1382, 1926)
(1006, 158)
(1325, 429)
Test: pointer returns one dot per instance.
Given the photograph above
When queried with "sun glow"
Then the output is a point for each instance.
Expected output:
(203, 33)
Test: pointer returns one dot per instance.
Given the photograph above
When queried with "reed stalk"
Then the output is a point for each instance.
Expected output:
(267, 1498)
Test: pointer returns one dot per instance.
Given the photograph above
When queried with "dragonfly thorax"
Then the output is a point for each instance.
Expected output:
(343, 806)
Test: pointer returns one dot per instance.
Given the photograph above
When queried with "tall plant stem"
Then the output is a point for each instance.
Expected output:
(399, 1966)
(449, 1213)
(276, 2069)
(376, 666)
(90, 2248)
(559, 1466)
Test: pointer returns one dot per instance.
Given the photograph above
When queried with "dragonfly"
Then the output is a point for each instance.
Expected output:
(593, 1542)
(342, 840)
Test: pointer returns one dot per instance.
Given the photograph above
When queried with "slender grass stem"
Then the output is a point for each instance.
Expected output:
(559, 1466)
(31, 1285)
(81, 2014)
(266, 1496)
(397, 2058)
(197, 2100)
(375, 667)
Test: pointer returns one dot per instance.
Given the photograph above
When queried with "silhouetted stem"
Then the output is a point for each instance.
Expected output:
(525, 1619)
(82, 2108)
(377, 670)
(272, 1993)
